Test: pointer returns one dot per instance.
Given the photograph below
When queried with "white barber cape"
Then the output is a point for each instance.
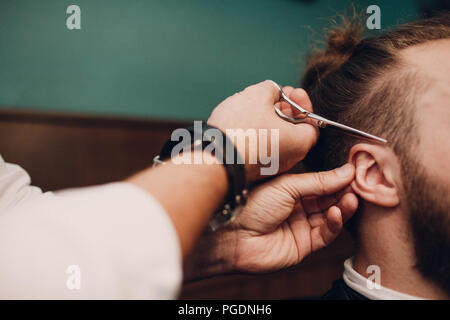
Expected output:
(105, 242)
(359, 283)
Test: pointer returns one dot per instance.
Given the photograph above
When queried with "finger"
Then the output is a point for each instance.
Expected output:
(313, 205)
(297, 96)
(321, 204)
(316, 219)
(301, 97)
(318, 183)
(344, 191)
(347, 204)
(309, 132)
(287, 90)
(301, 230)
(283, 104)
(270, 88)
(327, 232)
(285, 107)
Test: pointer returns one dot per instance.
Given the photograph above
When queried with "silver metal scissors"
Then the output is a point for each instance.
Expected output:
(306, 116)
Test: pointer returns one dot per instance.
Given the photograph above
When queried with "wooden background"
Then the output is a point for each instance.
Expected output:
(61, 151)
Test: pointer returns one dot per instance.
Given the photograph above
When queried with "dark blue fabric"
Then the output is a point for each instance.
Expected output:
(341, 291)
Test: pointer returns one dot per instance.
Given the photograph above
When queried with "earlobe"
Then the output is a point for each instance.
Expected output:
(373, 179)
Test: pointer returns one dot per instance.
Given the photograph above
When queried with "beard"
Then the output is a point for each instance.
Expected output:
(429, 213)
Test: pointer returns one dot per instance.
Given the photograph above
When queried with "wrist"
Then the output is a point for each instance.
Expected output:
(214, 255)
(246, 148)
(203, 144)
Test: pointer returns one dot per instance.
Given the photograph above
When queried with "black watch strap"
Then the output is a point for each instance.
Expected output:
(227, 154)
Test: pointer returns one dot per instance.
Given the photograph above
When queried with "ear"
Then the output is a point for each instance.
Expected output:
(375, 174)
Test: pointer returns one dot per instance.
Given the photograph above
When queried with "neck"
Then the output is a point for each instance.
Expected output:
(386, 241)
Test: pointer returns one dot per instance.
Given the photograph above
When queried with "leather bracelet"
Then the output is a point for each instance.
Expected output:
(227, 154)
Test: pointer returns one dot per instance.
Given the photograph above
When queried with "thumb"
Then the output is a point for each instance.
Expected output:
(308, 132)
(318, 183)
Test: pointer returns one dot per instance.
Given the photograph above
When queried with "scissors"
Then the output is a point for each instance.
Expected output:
(308, 117)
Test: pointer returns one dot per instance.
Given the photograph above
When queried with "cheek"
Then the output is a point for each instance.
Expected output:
(435, 153)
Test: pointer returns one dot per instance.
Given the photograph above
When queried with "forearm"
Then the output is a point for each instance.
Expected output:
(198, 189)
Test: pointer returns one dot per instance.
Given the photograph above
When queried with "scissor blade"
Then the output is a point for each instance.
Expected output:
(306, 116)
(322, 122)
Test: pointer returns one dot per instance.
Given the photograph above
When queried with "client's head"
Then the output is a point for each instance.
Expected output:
(397, 86)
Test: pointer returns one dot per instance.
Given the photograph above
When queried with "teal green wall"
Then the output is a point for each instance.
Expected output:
(161, 59)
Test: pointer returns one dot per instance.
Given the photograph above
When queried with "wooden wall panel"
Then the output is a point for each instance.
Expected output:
(61, 151)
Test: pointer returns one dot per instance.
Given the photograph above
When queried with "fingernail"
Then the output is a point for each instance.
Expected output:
(344, 171)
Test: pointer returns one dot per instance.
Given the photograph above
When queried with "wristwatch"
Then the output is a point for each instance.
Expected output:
(203, 137)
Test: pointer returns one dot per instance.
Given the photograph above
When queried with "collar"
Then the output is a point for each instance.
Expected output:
(359, 283)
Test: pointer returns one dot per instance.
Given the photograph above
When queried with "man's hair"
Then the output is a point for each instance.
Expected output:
(364, 83)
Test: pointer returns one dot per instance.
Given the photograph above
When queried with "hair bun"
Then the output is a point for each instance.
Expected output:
(344, 40)
(341, 43)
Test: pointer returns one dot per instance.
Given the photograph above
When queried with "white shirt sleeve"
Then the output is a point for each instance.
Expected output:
(105, 242)
(15, 186)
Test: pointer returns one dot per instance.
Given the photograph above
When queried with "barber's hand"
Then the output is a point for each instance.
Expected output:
(253, 108)
(290, 217)
(285, 220)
